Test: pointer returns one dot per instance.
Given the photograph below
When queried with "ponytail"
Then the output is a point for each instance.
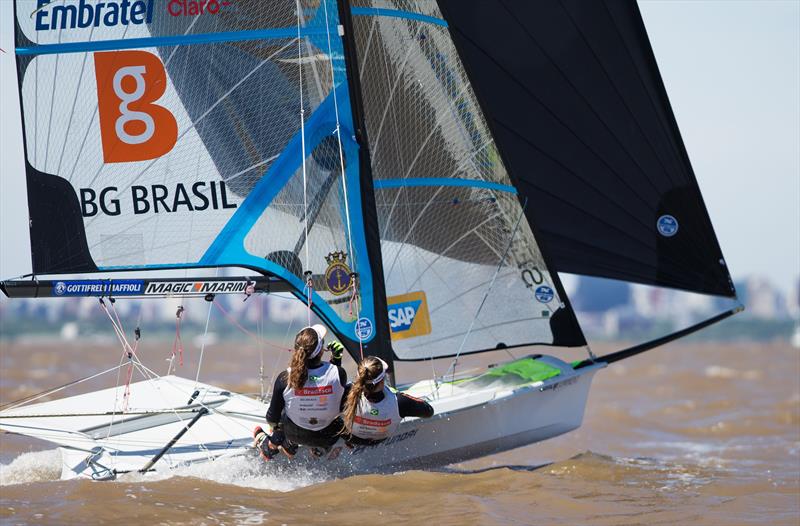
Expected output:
(369, 369)
(304, 344)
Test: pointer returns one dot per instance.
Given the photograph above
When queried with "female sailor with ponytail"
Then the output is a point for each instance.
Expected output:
(306, 399)
(372, 411)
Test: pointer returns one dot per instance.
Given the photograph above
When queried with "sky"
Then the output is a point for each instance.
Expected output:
(732, 71)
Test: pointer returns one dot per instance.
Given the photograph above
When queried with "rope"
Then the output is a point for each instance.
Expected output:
(309, 292)
(203, 344)
(353, 259)
(177, 344)
(339, 136)
(127, 392)
(249, 289)
(36, 396)
(117, 328)
(354, 298)
(129, 352)
(245, 331)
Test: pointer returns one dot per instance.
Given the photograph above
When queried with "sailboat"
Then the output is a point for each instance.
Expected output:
(416, 172)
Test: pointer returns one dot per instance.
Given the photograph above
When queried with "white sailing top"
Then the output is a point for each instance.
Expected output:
(377, 420)
(318, 402)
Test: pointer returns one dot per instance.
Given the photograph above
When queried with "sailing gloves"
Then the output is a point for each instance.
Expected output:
(261, 441)
(269, 445)
(336, 349)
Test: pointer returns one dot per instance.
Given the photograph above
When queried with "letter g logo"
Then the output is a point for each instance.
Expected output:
(132, 127)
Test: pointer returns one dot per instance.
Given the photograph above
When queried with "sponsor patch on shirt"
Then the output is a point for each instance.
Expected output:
(372, 422)
(314, 391)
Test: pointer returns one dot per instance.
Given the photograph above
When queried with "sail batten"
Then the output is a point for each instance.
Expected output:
(181, 40)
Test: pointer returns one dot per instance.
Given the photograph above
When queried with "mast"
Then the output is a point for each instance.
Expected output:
(382, 345)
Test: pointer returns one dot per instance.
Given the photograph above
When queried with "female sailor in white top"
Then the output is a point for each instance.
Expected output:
(306, 399)
(372, 411)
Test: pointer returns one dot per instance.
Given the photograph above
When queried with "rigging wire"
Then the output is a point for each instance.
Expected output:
(339, 136)
(203, 344)
(260, 328)
(309, 282)
(150, 376)
(239, 326)
(37, 396)
(354, 299)
(485, 296)
(177, 343)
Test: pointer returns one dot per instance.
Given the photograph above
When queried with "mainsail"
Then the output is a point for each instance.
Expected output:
(171, 135)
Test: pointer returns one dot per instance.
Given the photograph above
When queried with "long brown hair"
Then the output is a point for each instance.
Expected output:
(369, 369)
(304, 344)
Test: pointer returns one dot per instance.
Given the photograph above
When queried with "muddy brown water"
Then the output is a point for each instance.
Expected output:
(695, 434)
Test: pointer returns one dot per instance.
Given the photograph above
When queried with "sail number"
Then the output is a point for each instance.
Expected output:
(531, 276)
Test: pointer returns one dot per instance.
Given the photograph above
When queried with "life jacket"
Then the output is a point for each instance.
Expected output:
(377, 420)
(318, 403)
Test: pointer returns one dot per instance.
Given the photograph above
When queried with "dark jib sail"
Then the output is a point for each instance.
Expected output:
(581, 118)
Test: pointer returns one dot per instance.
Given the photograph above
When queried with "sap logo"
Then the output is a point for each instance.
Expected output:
(408, 315)
(86, 13)
(402, 316)
(132, 126)
(196, 7)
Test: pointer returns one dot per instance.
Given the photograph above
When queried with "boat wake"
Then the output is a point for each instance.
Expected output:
(242, 471)
(247, 472)
(35, 466)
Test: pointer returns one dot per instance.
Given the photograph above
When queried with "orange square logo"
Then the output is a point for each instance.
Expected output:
(132, 126)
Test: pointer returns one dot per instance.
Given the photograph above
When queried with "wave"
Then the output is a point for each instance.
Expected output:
(35, 466)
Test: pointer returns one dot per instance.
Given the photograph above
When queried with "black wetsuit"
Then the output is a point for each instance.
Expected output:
(407, 405)
(276, 413)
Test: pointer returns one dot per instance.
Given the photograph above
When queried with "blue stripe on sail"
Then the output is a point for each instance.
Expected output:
(178, 40)
(442, 181)
(260, 197)
(376, 11)
(165, 266)
(228, 247)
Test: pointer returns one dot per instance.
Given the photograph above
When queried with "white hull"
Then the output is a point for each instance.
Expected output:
(469, 422)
